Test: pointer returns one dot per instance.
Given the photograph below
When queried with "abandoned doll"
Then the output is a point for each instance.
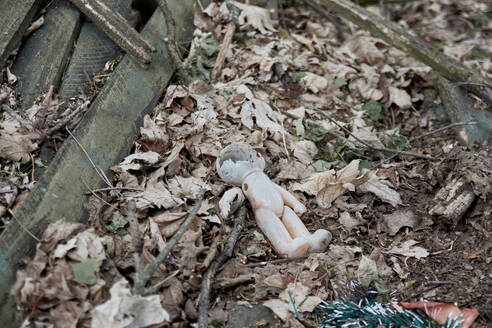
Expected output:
(276, 210)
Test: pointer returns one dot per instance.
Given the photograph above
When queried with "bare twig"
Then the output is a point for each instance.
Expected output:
(117, 29)
(135, 233)
(95, 195)
(378, 149)
(22, 121)
(143, 276)
(112, 188)
(443, 128)
(438, 282)
(230, 29)
(23, 226)
(154, 288)
(134, 229)
(208, 278)
(171, 43)
(257, 264)
(64, 121)
(99, 171)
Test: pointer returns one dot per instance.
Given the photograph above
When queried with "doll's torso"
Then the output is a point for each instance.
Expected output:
(263, 194)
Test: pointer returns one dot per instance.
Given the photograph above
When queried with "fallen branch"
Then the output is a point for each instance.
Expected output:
(67, 119)
(113, 188)
(117, 29)
(230, 29)
(22, 121)
(377, 149)
(263, 263)
(446, 66)
(329, 16)
(208, 278)
(452, 125)
(143, 276)
(133, 224)
(171, 43)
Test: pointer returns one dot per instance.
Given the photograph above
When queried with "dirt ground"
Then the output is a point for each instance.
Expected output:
(415, 228)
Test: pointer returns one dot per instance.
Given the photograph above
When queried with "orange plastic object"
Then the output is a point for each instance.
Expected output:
(440, 312)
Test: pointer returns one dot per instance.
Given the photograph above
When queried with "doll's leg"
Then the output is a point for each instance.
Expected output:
(278, 235)
(318, 241)
(294, 225)
(291, 201)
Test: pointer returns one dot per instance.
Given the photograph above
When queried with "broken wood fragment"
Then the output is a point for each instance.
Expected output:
(230, 29)
(45, 53)
(453, 201)
(15, 18)
(117, 29)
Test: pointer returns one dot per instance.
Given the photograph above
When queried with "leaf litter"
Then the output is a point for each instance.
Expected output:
(373, 207)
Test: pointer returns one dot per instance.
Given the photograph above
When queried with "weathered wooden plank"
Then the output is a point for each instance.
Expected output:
(90, 55)
(15, 17)
(45, 54)
(107, 133)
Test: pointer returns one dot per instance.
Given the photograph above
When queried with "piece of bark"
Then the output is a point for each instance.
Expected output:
(107, 132)
(46, 52)
(453, 200)
(15, 18)
(117, 28)
(413, 46)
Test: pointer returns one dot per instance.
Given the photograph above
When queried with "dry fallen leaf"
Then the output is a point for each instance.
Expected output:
(126, 310)
(254, 107)
(314, 83)
(154, 137)
(408, 249)
(381, 188)
(295, 292)
(402, 218)
(305, 150)
(132, 162)
(400, 98)
(256, 17)
(15, 143)
(156, 195)
(328, 185)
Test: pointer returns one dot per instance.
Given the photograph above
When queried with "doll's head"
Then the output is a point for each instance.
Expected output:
(237, 160)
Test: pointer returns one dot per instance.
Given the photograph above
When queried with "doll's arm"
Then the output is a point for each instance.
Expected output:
(291, 201)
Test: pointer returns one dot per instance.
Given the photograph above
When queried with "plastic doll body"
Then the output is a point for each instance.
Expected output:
(276, 210)
(280, 223)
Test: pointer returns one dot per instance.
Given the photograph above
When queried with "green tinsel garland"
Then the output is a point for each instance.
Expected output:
(361, 309)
